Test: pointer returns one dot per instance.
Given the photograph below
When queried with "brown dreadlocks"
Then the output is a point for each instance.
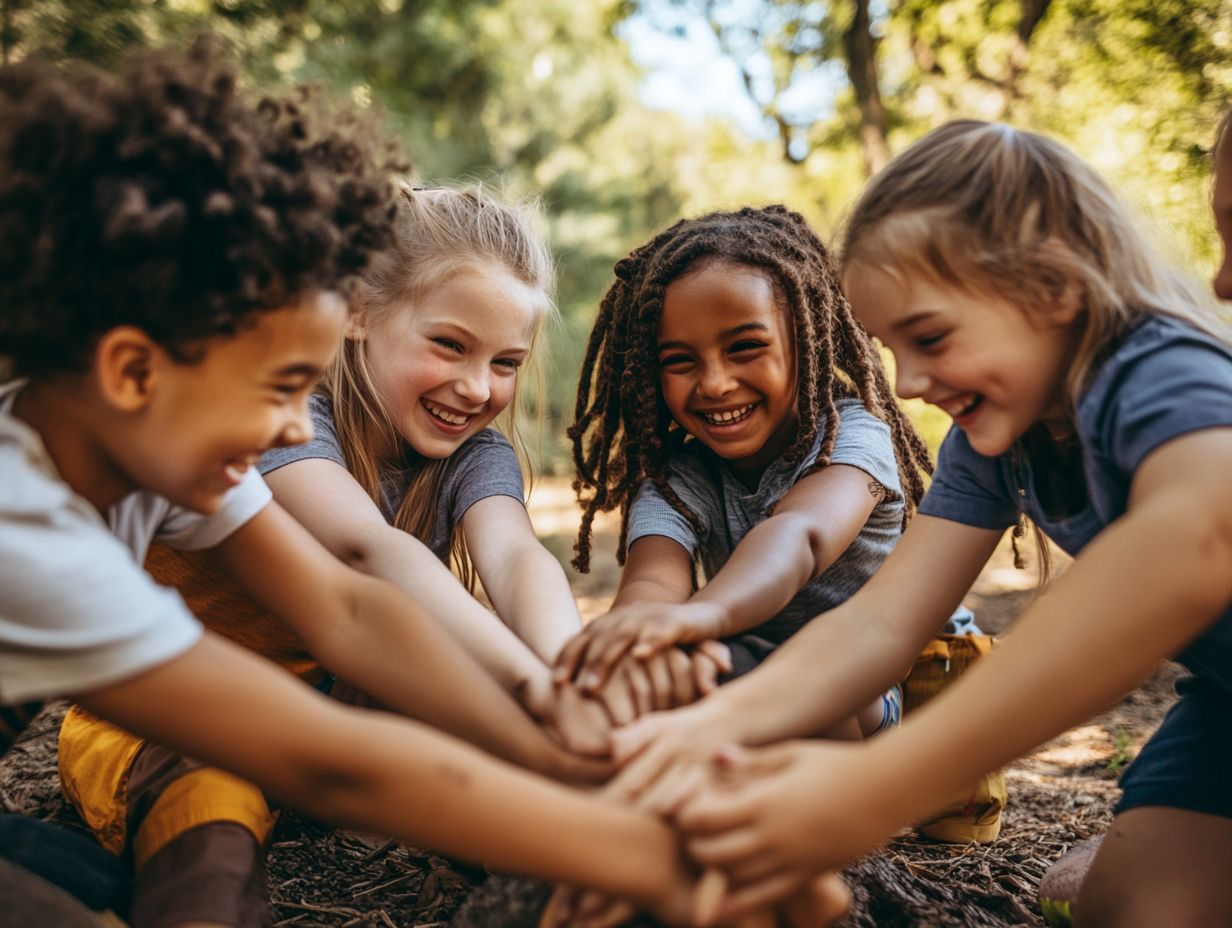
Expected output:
(623, 433)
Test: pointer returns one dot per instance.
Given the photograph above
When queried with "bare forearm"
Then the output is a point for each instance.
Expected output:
(375, 771)
(1181, 579)
(397, 557)
(531, 594)
(770, 566)
(400, 655)
(825, 673)
(468, 805)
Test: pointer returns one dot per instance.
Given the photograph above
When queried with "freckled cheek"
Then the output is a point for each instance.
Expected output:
(502, 396)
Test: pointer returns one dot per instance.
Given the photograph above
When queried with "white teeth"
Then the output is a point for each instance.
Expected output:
(954, 410)
(444, 415)
(728, 416)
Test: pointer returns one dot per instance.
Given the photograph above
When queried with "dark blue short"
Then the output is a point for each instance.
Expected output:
(1186, 764)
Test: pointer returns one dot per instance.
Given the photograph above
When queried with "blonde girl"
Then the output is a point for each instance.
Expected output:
(406, 472)
(1091, 392)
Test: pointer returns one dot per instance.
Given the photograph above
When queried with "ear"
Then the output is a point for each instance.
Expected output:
(126, 366)
(1071, 304)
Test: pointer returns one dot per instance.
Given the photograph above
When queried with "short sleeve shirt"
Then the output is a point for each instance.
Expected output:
(1164, 379)
(485, 465)
(77, 612)
(726, 511)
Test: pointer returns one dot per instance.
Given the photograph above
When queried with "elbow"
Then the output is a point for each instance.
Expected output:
(806, 538)
(1195, 535)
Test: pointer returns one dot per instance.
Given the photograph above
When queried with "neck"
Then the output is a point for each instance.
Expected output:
(67, 421)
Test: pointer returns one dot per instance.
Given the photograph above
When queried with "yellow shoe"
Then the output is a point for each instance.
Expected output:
(976, 819)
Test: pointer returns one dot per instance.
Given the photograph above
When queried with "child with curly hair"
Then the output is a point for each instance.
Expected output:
(1091, 390)
(738, 416)
(174, 258)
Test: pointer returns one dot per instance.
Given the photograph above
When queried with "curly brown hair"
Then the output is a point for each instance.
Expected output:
(623, 432)
(165, 198)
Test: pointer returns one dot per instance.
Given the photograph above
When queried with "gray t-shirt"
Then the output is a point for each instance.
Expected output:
(77, 612)
(1162, 381)
(727, 511)
(485, 465)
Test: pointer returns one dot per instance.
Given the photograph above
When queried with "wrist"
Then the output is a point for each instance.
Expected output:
(533, 691)
(710, 617)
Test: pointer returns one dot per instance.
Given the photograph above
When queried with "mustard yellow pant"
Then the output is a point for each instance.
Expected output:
(140, 799)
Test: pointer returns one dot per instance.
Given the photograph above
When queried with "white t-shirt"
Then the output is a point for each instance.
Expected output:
(77, 611)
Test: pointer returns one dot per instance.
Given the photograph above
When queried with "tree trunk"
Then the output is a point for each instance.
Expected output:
(861, 50)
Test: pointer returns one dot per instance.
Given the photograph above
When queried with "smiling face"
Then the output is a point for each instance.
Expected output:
(207, 422)
(995, 369)
(447, 366)
(727, 364)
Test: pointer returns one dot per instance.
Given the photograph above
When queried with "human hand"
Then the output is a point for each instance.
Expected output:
(773, 818)
(665, 680)
(579, 722)
(642, 629)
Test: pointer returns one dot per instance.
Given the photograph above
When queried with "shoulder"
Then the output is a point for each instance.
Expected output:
(1163, 379)
(485, 465)
(863, 440)
(28, 485)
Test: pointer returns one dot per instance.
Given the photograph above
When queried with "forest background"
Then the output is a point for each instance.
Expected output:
(555, 99)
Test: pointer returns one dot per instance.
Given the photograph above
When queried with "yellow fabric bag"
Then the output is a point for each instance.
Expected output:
(975, 816)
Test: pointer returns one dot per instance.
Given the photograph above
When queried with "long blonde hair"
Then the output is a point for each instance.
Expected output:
(995, 210)
(439, 232)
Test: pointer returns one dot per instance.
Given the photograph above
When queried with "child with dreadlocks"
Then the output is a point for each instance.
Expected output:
(739, 417)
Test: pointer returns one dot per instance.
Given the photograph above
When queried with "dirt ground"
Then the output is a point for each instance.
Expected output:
(1058, 795)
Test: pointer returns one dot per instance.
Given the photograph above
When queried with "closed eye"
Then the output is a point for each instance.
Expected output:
(746, 345)
(290, 389)
(931, 340)
(674, 360)
(509, 363)
(448, 343)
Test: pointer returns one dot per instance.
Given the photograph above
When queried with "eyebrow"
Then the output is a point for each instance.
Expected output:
(725, 334)
(469, 335)
(912, 320)
(302, 369)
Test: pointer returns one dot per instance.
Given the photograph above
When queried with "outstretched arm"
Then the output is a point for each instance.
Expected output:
(374, 771)
(810, 527)
(833, 666)
(327, 501)
(376, 638)
(524, 581)
(1149, 584)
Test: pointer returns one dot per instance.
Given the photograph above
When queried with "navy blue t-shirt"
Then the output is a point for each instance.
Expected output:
(1163, 380)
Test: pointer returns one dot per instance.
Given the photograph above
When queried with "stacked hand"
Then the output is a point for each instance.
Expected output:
(640, 629)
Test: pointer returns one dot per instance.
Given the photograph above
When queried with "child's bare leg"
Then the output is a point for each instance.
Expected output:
(1160, 866)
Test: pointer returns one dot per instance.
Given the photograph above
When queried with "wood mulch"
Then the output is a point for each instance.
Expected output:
(1059, 795)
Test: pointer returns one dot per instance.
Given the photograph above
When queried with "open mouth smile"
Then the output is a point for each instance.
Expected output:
(962, 406)
(445, 415)
(728, 416)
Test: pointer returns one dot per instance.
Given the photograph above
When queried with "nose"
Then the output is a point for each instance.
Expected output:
(910, 380)
(474, 386)
(1223, 277)
(297, 428)
(716, 381)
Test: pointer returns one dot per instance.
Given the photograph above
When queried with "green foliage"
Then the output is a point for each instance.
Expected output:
(541, 99)
(1122, 751)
